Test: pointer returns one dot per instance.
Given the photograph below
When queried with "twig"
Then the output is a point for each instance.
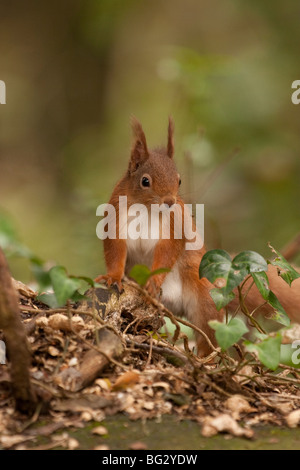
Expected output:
(52, 311)
(215, 387)
(150, 353)
(162, 350)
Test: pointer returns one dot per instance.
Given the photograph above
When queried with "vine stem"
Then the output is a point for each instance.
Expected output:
(247, 313)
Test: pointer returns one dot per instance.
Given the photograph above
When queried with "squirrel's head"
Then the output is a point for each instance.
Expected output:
(153, 172)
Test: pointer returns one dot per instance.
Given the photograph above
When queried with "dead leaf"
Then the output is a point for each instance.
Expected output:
(149, 405)
(72, 443)
(24, 290)
(54, 352)
(237, 404)
(126, 401)
(266, 417)
(104, 384)
(291, 334)
(41, 322)
(100, 431)
(126, 380)
(293, 418)
(73, 362)
(138, 445)
(10, 441)
(101, 447)
(163, 385)
(224, 423)
(243, 374)
(64, 323)
(284, 408)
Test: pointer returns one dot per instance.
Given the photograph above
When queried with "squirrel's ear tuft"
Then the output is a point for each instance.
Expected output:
(170, 147)
(139, 152)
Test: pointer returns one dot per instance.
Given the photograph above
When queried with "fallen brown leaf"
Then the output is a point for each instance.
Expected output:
(64, 323)
(138, 445)
(293, 418)
(128, 379)
(100, 431)
(237, 405)
(224, 423)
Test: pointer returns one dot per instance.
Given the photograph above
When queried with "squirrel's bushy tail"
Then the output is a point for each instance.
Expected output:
(289, 297)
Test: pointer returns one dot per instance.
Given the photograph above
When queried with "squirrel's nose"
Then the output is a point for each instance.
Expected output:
(169, 201)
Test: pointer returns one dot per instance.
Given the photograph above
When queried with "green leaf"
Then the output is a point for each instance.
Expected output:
(64, 286)
(268, 350)
(262, 283)
(217, 264)
(87, 280)
(221, 298)
(141, 273)
(280, 314)
(41, 276)
(48, 299)
(230, 333)
(286, 271)
(77, 297)
(250, 261)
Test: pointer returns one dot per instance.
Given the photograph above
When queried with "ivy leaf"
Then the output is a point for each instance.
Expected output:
(141, 273)
(268, 350)
(230, 333)
(286, 271)
(221, 298)
(64, 286)
(48, 299)
(262, 283)
(41, 276)
(217, 264)
(280, 314)
(87, 280)
(250, 262)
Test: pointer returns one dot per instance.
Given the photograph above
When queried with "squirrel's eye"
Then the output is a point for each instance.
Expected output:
(179, 181)
(145, 182)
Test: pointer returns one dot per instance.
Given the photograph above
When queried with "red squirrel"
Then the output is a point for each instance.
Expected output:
(152, 178)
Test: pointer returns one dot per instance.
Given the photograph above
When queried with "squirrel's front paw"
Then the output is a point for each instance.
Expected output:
(110, 280)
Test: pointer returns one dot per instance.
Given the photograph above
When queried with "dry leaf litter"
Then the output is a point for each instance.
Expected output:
(109, 355)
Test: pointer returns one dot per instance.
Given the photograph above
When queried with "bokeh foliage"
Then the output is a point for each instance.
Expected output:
(75, 70)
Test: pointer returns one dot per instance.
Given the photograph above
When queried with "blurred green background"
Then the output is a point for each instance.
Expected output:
(76, 70)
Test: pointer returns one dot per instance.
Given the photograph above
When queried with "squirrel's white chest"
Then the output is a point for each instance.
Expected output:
(140, 245)
(140, 250)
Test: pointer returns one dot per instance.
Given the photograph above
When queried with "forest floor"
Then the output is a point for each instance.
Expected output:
(107, 377)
